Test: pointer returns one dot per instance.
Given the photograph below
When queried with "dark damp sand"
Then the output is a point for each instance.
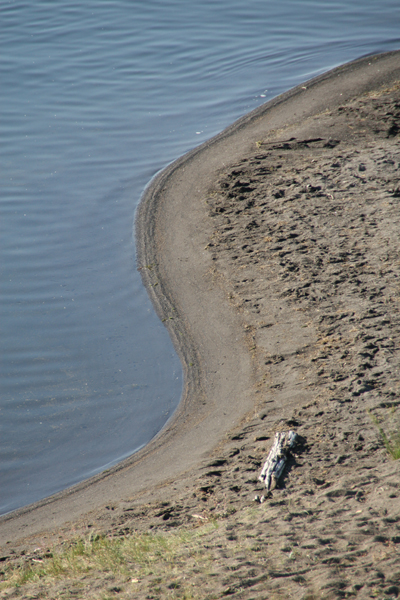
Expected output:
(273, 261)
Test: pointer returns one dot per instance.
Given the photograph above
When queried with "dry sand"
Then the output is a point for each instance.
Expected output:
(271, 253)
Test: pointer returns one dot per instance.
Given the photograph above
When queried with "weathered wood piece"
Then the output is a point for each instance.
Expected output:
(277, 457)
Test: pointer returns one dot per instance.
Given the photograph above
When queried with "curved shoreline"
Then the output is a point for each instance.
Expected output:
(203, 326)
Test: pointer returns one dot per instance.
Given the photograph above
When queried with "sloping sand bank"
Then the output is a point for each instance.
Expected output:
(234, 333)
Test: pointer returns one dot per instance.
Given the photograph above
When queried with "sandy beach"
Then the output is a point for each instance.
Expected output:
(271, 254)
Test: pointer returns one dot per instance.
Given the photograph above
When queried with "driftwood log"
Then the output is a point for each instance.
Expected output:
(277, 457)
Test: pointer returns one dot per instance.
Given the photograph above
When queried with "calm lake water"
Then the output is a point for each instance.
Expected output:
(96, 97)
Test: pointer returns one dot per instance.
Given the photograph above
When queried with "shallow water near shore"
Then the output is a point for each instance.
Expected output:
(96, 99)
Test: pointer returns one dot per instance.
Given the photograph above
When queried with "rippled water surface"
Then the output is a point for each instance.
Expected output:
(96, 97)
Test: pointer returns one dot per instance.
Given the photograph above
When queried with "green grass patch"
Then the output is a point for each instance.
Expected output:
(137, 555)
(391, 442)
